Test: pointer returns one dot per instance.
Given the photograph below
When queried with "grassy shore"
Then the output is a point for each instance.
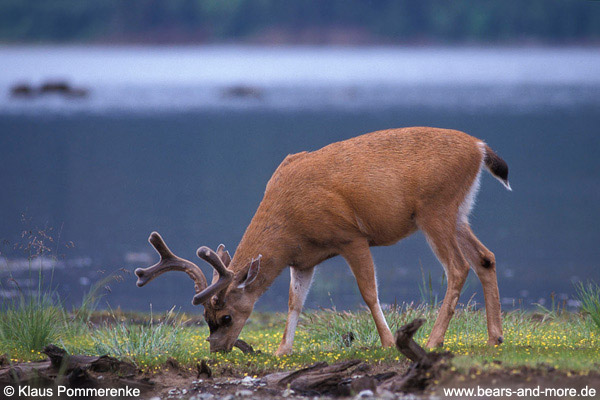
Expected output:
(567, 341)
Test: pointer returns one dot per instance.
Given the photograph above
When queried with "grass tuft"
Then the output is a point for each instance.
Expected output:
(28, 324)
(144, 345)
(589, 296)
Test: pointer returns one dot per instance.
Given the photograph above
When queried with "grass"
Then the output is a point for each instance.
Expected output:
(568, 341)
(30, 323)
(589, 296)
(144, 345)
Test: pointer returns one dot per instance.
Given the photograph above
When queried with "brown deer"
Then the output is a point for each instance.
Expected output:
(372, 190)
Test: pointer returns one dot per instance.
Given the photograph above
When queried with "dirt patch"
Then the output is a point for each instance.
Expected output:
(522, 382)
(360, 380)
(348, 380)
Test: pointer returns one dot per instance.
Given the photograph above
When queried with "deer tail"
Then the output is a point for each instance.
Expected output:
(496, 165)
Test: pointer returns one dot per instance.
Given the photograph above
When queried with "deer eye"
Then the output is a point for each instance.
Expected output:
(226, 319)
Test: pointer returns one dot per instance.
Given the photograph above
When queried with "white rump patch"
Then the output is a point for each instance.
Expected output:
(467, 205)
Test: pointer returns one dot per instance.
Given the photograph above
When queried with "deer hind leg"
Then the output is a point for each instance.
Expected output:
(299, 287)
(359, 258)
(441, 235)
(483, 263)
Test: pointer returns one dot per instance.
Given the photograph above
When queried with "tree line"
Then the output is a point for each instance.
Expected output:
(386, 21)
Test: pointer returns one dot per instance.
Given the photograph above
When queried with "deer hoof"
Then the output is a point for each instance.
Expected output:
(283, 351)
(495, 342)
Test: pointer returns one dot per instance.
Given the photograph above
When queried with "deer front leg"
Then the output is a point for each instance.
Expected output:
(359, 258)
(299, 287)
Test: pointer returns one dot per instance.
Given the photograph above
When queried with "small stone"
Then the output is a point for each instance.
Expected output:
(155, 398)
(287, 392)
(385, 395)
(249, 381)
(244, 393)
(364, 394)
(183, 391)
(205, 396)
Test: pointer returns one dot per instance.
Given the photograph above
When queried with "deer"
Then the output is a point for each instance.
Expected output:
(370, 190)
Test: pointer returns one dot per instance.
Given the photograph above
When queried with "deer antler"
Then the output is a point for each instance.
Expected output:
(169, 262)
(224, 255)
(218, 261)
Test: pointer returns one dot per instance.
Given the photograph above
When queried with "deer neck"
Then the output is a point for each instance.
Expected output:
(270, 240)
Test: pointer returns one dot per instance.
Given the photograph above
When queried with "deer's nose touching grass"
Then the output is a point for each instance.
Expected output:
(371, 190)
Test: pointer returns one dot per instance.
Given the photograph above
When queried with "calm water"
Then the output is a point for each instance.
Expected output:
(161, 144)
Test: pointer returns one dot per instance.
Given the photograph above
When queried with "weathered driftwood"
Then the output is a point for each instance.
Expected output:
(426, 366)
(406, 344)
(25, 372)
(63, 362)
(203, 370)
(244, 347)
(72, 370)
(319, 378)
(345, 378)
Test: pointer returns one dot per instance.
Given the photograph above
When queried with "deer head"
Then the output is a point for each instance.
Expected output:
(227, 304)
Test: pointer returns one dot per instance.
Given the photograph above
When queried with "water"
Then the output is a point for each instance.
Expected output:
(150, 79)
(159, 145)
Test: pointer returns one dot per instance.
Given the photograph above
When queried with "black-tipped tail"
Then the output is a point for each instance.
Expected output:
(497, 166)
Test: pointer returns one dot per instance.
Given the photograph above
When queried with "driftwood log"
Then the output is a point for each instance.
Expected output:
(350, 377)
(244, 347)
(318, 379)
(426, 366)
(63, 362)
(73, 371)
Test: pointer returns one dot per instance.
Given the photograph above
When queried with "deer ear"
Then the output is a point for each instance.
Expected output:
(252, 273)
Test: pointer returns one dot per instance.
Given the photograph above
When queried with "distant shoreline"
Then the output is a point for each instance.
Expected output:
(148, 42)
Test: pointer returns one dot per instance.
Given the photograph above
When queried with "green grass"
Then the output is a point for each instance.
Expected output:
(589, 296)
(568, 341)
(27, 324)
(144, 345)
(565, 340)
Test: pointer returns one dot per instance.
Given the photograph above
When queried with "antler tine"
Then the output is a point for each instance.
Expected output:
(225, 275)
(160, 246)
(213, 259)
(169, 262)
(224, 255)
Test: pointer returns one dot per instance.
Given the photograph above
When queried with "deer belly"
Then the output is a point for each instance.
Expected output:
(385, 227)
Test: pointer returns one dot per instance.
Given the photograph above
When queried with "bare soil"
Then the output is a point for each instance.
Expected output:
(341, 380)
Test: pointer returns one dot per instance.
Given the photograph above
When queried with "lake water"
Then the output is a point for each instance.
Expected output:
(183, 140)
